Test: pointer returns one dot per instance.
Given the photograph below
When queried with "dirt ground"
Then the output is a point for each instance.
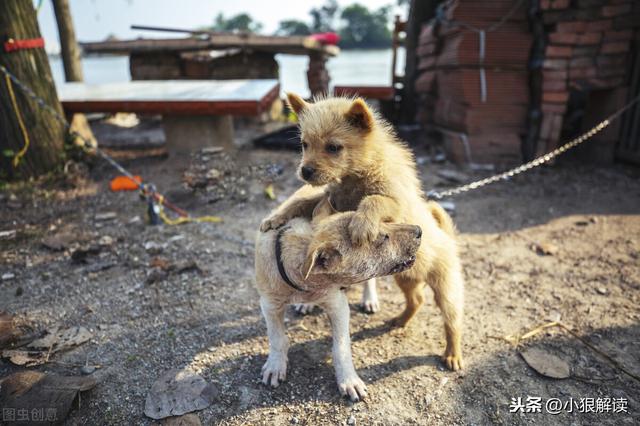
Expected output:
(207, 318)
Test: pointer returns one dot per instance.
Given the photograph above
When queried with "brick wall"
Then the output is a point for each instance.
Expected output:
(586, 48)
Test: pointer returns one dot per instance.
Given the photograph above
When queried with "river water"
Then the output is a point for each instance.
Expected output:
(350, 67)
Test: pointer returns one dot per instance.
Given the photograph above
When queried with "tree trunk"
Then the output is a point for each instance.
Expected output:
(31, 66)
(68, 46)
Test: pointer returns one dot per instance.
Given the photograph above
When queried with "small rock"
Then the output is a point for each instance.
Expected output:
(88, 369)
(106, 216)
(212, 150)
(352, 420)
(105, 240)
(601, 290)
(7, 235)
(213, 174)
(8, 276)
(153, 248)
(295, 420)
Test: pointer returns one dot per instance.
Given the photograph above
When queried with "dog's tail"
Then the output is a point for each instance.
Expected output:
(442, 217)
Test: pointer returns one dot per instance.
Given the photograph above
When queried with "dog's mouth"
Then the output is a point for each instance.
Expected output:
(403, 266)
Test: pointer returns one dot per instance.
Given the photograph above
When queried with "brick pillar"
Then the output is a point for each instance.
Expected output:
(317, 74)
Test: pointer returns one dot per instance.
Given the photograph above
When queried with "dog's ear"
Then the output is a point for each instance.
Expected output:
(296, 103)
(359, 115)
(325, 257)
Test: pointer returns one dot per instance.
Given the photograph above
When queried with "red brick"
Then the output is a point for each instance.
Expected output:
(615, 47)
(555, 75)
(589, 38)
(602, 25)
(622, 35)
(555, 64)
(611, 11)
(582, 62)
(555, 97)
(545, 4)
(581, 73)
(554, 85)
(571, 27)
(563, 38)
(558, 52)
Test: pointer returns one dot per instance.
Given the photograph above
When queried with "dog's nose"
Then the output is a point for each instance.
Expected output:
(307, 172)
(418, 232)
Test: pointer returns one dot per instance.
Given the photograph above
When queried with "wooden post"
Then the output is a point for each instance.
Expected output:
(31, 66)
(317, 74)
(70, 52)
(68, 45)
(420, 11)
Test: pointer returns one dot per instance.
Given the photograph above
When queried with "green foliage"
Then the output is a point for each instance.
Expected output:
(364, 28)
(291, 27)
(323, 18)
(243, 22)
(358, 27)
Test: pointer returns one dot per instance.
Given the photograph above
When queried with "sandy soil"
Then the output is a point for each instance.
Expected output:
(210, 322)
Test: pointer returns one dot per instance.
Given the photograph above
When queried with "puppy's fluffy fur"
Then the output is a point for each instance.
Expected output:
(321, 261)
(354, 154)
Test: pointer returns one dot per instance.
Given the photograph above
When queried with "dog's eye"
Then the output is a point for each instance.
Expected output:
(333, 148)
(305, 145)
(382, 238)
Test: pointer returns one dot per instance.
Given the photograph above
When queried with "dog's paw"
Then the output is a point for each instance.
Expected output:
(370, 303)
(353, 387)
(273, 222)
(303, 308)
(370, 306)
(274, 371)
(453, 362)
(362, 229)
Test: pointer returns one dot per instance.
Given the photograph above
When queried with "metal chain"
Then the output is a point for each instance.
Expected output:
(148, 190)
(438, 195)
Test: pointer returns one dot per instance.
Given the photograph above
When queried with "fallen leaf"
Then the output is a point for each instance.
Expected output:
(57, 340)
(38, 351)
(546, 364)
(177, 392)
(33, 390)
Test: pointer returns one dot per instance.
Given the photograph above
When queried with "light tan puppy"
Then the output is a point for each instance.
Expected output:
(301, 264)
(354, 154)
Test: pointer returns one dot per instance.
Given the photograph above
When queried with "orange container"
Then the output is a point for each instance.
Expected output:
(125, 183)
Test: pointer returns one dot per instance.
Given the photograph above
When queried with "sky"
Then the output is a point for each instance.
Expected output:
(96, 19)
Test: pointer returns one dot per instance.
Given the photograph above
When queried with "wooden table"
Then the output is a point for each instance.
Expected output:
(196, 113)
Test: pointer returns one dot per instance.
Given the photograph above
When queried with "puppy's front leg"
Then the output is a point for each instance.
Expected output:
(337, 307)
(274, 370)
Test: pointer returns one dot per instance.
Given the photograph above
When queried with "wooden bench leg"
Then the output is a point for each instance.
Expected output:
(188, 133)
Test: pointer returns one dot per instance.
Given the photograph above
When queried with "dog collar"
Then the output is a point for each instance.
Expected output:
(281, 269)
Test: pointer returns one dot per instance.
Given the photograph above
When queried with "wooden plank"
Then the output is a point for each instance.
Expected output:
(371, 92)
(294, 45)
(209, 97)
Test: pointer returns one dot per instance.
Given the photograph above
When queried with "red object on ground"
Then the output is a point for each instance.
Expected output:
(30, 43)
(326, 38)
(125, 183)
